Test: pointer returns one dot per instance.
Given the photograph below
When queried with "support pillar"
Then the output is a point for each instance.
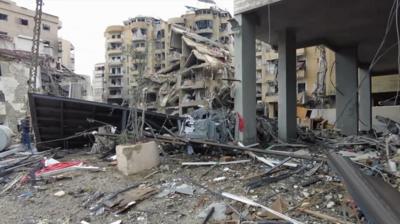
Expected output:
(346, 93)
(245, 70)
(365, 100)
(287, 126)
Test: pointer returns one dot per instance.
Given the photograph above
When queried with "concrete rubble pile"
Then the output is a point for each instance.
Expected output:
(191, 168)
(195, 171)
(203, 77)
(53, 79)
(84, 166)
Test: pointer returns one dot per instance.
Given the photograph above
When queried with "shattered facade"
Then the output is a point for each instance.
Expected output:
(315, 77)
(142, 47)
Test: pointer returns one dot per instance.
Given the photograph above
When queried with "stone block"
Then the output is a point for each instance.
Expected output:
(136, 158)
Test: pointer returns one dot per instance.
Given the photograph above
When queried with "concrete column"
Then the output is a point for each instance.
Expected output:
(365, 100)
(287, 126)
(346, 94)
(245, 70)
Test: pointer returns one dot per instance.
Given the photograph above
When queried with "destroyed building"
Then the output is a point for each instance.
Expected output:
(211, 156)
(142, 46)
(55, 78)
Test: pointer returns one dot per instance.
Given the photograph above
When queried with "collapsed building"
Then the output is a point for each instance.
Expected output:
(141, 46)
(55, 76)
(203, 73)
(326, 174)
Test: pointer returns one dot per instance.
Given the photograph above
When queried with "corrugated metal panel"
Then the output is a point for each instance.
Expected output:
(55, 118)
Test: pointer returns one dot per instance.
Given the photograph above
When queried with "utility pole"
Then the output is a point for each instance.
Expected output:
(35, 47)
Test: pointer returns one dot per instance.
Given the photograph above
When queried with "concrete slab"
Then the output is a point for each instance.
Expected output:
(136, 158)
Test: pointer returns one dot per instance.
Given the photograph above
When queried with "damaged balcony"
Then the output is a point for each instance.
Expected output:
(204, 27)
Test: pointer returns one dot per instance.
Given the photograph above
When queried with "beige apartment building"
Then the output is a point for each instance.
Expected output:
(66, 55)
(142, 46)
(98, 82)
(17, 22)
(16, 31)
(315, 77)
(138, 47)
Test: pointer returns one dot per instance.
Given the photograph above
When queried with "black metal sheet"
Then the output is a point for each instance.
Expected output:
(55, 118)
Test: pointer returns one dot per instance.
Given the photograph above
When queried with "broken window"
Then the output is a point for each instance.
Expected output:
(160, 34)
(114, 46)
(3, 17)
(258, 75)
(116, 36)
(224, 40)
(223, 27)
(114, 92)
(158, 45)
(272, 67)
(24, 22)
(116, 58)
(46, 27)
(116, 82)
(258, 61)
(301, 87)
(116, 71)
(204, 24)
(151, 97)
(46, 43)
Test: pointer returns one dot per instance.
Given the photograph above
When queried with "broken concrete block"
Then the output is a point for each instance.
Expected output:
(184, 189)
(136, 158)
(218, 214)
(59, 193)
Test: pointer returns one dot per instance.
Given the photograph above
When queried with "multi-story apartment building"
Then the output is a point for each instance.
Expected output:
(315, 76)
(98, 82)
(17, 22)
(212, 23)
(66, 55)
(136, 48)
(16, 31)
(142, 46)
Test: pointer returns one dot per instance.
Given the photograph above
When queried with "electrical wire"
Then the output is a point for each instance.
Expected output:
(398, 50)
(393, 12)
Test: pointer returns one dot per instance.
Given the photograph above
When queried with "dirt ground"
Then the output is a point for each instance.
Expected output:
(28, 204)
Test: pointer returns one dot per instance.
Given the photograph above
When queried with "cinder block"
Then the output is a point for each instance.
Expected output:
(136, 158)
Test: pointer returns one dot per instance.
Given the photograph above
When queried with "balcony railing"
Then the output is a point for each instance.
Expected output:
(139, 38)
(114, 40)
(114, 62)
(115, 86)
(116, 74)
(115, 50)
